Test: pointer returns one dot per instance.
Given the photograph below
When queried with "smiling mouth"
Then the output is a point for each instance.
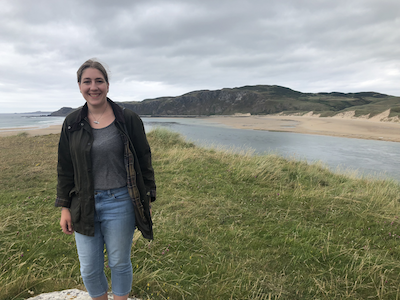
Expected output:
(94, 95)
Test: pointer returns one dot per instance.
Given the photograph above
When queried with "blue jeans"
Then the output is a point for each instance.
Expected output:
(114, 227)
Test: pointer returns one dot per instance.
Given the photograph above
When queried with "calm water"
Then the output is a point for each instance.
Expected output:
(377, 158)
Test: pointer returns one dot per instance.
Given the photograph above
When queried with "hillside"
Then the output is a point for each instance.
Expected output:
(262, 99)
(227, 226)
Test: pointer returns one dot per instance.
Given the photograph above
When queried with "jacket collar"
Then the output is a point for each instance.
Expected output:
(118, 113)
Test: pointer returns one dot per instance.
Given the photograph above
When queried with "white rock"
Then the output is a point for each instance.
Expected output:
(73, 294)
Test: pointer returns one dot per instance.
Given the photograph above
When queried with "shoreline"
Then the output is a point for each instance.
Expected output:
(31, 131)
(360, 128)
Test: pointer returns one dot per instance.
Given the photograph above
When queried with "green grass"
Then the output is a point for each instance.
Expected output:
(227, 226)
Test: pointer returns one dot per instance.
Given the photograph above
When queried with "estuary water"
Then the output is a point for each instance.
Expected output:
(366, 157)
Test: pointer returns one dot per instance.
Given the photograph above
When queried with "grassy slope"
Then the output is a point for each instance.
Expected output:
(227, 226)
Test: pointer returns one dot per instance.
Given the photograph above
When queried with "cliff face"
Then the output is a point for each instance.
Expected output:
(262, 99)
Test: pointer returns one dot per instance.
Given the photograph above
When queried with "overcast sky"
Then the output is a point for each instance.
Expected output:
(171, 47)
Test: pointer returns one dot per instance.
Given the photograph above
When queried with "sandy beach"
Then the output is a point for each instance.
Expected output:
(334, 126)
(32, 131)
(342, 126)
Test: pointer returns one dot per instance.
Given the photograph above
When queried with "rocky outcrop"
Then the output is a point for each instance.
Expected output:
(73, 294)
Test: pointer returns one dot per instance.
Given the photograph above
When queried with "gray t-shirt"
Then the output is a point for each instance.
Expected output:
(108, 159)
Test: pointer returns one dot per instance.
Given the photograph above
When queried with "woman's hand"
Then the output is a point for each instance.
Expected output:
(65, 222)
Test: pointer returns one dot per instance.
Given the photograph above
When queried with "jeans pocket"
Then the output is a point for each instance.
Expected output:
(121, 194)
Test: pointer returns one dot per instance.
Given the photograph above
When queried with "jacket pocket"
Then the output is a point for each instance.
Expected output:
(72, 192)
(75, 209)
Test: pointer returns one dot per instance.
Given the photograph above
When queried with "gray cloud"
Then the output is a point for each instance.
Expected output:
(166, 48)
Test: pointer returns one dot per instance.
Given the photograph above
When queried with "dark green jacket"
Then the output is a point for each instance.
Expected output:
(75, 189)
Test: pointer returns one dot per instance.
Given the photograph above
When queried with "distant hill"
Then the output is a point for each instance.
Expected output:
(262, 99)
(62, 112)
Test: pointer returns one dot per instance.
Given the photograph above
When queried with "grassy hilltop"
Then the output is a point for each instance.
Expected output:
(227, 226)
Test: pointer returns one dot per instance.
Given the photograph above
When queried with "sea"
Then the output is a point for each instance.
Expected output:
(368, 158)
(9, 122)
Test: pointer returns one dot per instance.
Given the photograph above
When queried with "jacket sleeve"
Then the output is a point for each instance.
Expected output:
(143, 152)
(65, 170)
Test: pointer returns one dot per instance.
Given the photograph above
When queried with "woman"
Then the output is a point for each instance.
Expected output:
(105, 183)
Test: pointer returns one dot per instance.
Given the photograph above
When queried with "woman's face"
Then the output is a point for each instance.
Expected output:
(94, 87)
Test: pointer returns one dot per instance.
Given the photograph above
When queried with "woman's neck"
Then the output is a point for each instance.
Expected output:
(97, 109)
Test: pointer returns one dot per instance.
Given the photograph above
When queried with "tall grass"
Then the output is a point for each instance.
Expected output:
(34, 255)
(227, 226)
